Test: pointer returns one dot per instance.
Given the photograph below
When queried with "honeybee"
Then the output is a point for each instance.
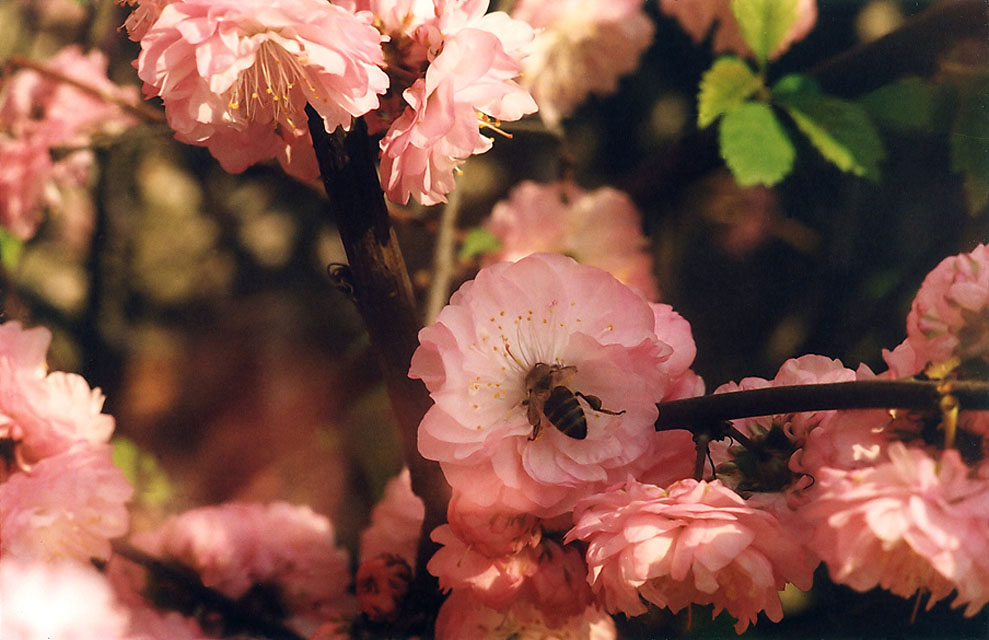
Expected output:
(547, 395)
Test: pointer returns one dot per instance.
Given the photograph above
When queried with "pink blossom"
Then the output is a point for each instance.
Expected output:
(396, 522)
(566, 64)
(241, 72)
(698, 16)
(912, 523)
(491, 530)
(601, 338)
(143, 14)
(463, 616)
(67, 506)
(950, 314)
(231, 546)
(697, 542)
(473, 60)
(25, 167)
(602, 228)
(44, 414)
(57, 601)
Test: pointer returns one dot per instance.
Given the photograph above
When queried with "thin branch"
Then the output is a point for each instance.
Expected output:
(235, 616)
(383, 295)
(867, 394)
(443, 260)
(141, 110)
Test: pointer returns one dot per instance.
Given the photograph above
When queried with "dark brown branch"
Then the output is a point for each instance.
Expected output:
(236, 617)
(869, 394)
(383, 295)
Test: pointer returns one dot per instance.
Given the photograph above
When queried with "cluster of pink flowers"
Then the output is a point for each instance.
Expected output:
(601, 228)
(567, 64)
(871, 493)
(698, 17)
(236, 77)
(39, 113)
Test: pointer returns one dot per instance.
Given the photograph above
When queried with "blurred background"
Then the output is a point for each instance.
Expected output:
(200, 303)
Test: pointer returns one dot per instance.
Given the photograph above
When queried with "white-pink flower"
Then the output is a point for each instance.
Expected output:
(491, 530)
(463, 616)
(240, 73)
(697, 17)
(567, 64)
(559, 324)
(67, 506)
(473, 60)
(236, 545)
(602, 228)
(912, 523)
(396, 522)
(695, 543)
(58, 601)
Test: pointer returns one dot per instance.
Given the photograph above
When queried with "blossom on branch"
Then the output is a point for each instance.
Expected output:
(695, 543)
(236, 76)
(545, 322)
(396, 521)
(567, 64)
(602, 228)
(915, 523)
(472, 61)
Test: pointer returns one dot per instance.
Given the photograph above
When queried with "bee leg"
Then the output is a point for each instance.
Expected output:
(594, 402)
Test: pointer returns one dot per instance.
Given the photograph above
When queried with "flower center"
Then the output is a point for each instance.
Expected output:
(267, 86)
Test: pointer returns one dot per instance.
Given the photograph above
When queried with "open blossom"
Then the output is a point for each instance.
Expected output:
(67, 506)
(58, 601)
(491, 529)
(567, 64)
(602, 228)
(698, 16)
(912, 523)
(236, 545)
(236, 75)
(590, 334)
(473, 60)
(697, 542)
(396, 521)
(463, 616)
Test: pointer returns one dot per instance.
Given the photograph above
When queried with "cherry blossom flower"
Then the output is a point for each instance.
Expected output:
(44, 414)
(58, 601)
(602, 228)
(25, 167)
(67, 506)
(473, 60)
(236, 76)
(698, 16)
(396, 522)
(566, 64)
(591, 334)
(697, 542)
(462, 616)
(143, 14)
(950, 314)
(491, 530)
(382, 583)
(912, 523)
(231, 546)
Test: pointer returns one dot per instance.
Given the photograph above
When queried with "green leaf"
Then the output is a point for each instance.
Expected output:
(11, 249)
(841, 131)
(478, 241)
(726, 85)
(764, 24)
(755, 146)
(796, 84)
(151, 485)
(909, 104)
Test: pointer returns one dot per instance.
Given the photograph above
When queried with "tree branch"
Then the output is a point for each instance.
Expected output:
(868, 394)
(383, 295)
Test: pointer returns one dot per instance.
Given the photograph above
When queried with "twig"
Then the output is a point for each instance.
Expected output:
(383, 295)
(236, 617)
(140, 109)
(443, 261)
(867, 394)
